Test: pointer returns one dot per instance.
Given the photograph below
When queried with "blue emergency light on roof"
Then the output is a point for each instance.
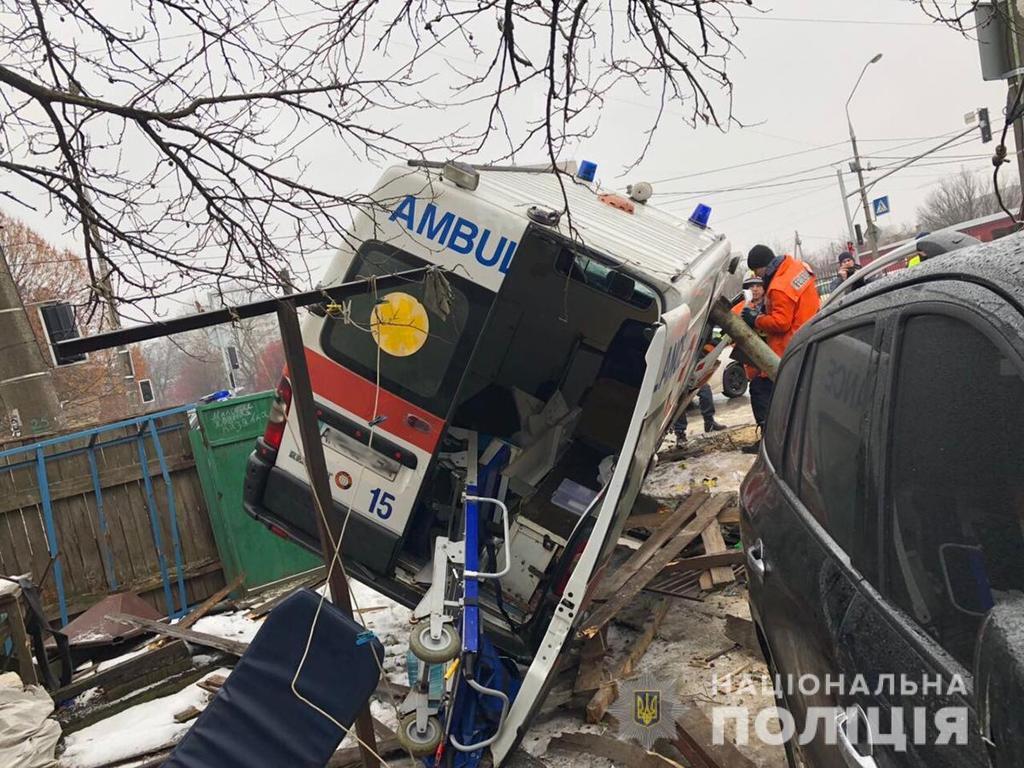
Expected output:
(587, 170)
(700, 216)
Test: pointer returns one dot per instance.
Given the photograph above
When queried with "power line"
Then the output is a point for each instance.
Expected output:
(910, 142)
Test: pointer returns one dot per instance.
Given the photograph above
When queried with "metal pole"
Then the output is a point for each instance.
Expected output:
(1014, 14)
(870, 224)
(316, 467)
(846, 205)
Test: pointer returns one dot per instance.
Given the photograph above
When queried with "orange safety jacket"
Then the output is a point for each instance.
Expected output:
(791, 299)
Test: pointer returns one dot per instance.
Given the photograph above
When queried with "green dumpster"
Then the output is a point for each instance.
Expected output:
(222, 441)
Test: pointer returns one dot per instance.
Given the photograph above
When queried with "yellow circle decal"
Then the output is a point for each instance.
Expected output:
(399, 324)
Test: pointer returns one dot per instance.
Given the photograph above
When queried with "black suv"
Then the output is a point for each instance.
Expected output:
(884, 520)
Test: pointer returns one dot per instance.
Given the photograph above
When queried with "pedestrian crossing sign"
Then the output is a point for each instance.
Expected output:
(880, 205)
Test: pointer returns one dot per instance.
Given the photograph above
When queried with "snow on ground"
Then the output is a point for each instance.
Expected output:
(140, 729)
(231, 626)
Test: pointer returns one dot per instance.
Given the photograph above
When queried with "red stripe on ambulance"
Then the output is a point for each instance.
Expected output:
(356, 395)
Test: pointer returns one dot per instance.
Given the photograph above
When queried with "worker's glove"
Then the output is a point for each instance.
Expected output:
(749, 315)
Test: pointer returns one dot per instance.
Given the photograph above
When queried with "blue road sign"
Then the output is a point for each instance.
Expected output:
(880, 205)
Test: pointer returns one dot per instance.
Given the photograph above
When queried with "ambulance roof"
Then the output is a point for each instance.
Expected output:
(655, 243)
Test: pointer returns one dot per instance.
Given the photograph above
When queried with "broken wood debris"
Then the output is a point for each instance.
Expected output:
(213, 683)
(714, 544)
(695, 741)
(211, 602)
(707, 509)
(618, 752)
(234, 647)
(72, 720)
(598, 705)
(187, 714)
(673, 522)
(150, 667)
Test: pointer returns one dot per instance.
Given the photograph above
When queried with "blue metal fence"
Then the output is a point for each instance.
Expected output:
(143, 426)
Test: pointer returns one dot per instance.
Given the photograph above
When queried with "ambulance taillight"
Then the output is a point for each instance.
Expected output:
(278, 418)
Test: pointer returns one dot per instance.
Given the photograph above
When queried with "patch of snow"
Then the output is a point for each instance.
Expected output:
(230, 626)
(140, 729)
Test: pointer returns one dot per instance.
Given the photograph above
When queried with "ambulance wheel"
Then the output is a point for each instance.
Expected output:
(417, 743)
(435, 651)
(734, 380)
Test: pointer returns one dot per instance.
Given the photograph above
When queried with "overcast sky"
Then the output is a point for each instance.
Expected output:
(798, 65)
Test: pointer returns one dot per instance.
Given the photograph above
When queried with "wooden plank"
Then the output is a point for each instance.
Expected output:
(213, 683)
(598, 705)
(211, 601)
(187, 714)
(618, 752)
(11, 605)
(149, 667)
(705, 562)
(613, 583)
(695, 740)
(198, 638)
(75, 486)
(714, 544)
(707, 513)
(309, 580)
(76, 720)
(730, 516)
(592, 671)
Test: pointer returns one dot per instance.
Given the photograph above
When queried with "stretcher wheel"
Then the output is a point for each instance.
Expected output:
(415, 742)
(435, 651)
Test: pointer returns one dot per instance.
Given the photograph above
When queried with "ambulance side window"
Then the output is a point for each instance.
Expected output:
(833, 475)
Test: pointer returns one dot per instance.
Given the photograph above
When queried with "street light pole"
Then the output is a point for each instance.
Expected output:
(870, 224)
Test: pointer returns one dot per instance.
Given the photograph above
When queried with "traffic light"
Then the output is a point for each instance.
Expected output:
(985, 125)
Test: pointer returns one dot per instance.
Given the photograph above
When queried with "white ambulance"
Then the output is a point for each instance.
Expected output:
(561, 331)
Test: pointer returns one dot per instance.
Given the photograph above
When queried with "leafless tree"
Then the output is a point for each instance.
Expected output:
(962, 197)
(170, 134)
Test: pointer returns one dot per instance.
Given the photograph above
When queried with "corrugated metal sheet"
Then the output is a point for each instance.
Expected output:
(653, 241)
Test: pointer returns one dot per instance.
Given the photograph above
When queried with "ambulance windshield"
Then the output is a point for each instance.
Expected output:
(422, 354)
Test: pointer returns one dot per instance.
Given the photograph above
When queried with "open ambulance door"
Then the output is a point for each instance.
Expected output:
(669, 358)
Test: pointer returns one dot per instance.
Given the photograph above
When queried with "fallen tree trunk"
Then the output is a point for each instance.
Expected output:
(752, 345)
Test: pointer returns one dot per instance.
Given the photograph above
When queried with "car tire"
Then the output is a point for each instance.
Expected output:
(734, 380)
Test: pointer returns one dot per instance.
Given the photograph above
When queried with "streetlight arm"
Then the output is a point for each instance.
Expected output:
(855, 86)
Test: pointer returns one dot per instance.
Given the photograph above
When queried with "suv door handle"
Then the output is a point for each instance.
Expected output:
(847, 749)
(755, 560)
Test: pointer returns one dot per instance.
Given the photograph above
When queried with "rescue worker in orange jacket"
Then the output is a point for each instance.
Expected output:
(791, 299)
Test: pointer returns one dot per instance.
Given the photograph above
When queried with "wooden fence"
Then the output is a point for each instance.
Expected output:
(114, 508)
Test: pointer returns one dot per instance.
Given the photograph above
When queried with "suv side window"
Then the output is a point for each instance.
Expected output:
(833, 473)
(778, 415)
(954, 492)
